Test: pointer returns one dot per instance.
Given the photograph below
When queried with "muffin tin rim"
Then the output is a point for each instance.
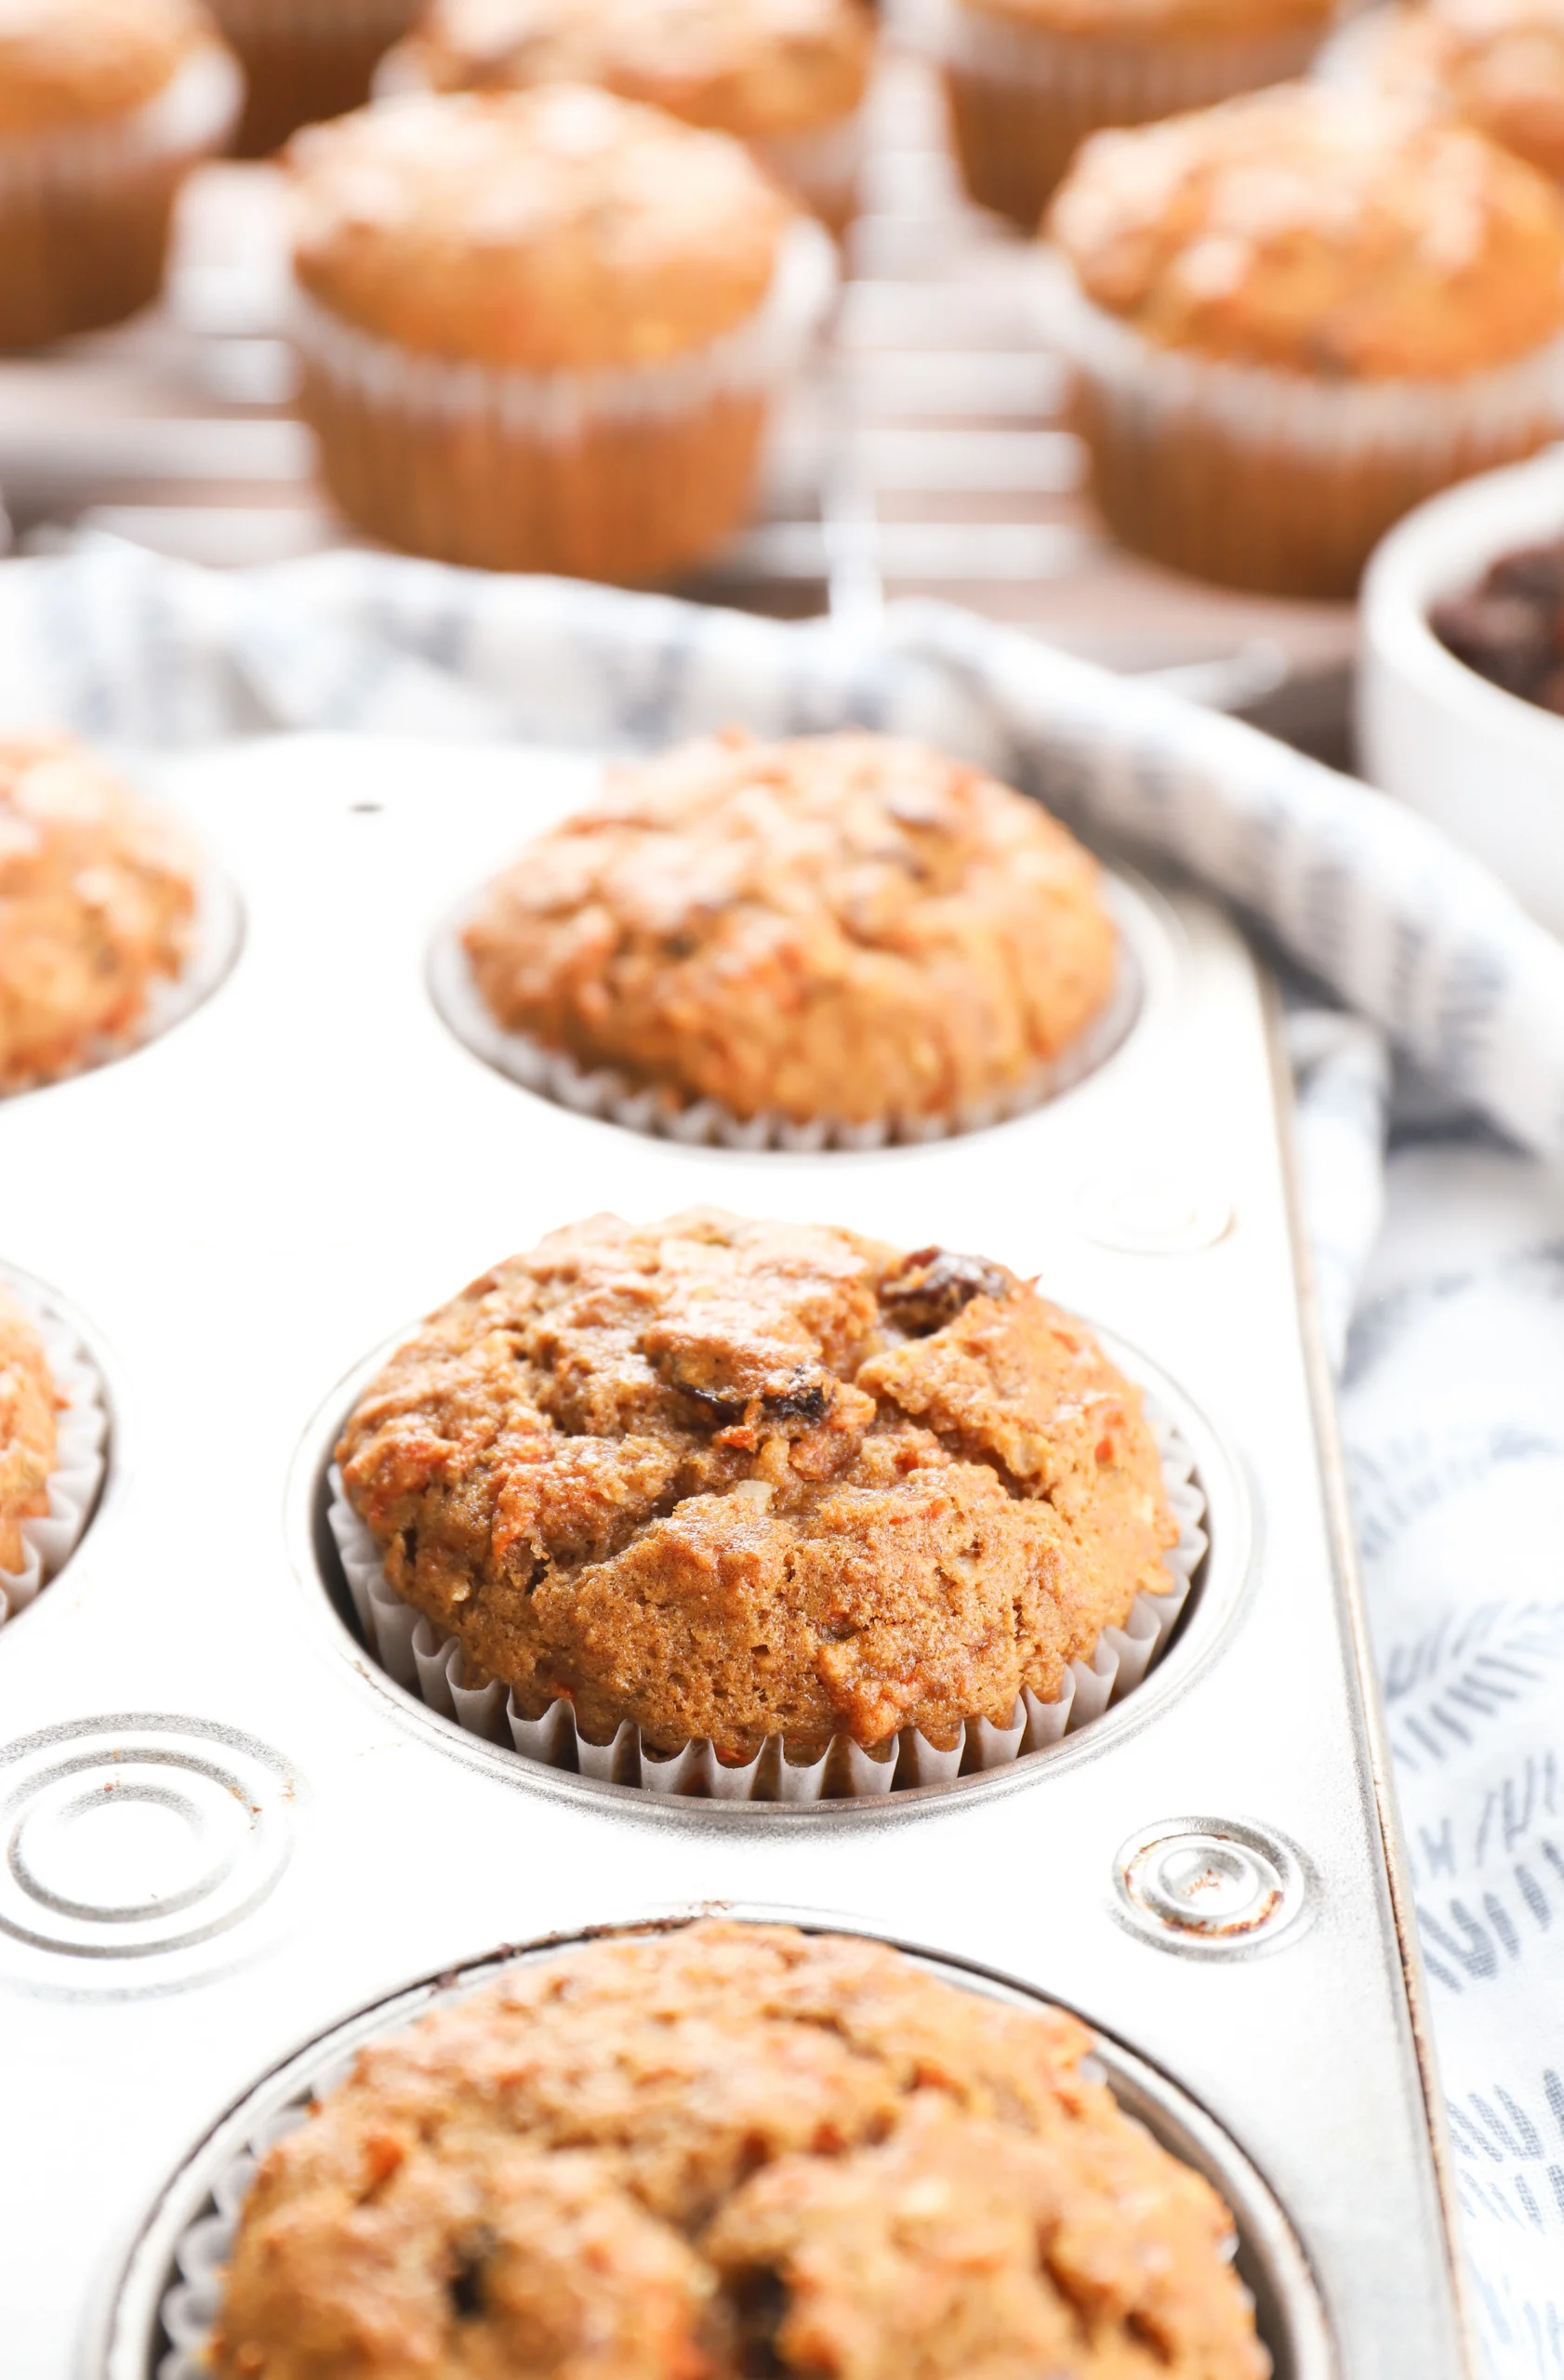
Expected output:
(1219, 1596)
(128, 2329)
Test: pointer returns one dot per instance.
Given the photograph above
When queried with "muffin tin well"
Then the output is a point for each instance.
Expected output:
(162, 2310)
(253, 1205)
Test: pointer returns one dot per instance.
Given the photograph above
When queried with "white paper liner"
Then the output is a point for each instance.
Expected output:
(759, 354)
(217, 930)
(1134, 78)
(1346, 421)
(192, 117)
(428, 1663)
(702, 1123)
(81, 1452)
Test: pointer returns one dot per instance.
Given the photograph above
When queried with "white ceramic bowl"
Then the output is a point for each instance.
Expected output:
(1483, 764)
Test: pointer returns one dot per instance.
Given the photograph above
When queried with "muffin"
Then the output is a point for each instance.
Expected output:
(731, 2148)
(541, 330)
(28, 1403)
(1295, 316)
(104, 107)
(96, 904)
(787, 76)
(730, 1480)
(306, 60)
(844, 926)
(1027, 80)
(1497, 64)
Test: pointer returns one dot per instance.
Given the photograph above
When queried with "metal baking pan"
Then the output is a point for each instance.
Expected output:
(226, 1831)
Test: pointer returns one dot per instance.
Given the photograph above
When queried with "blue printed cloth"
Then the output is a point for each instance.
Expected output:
(1436, 1206)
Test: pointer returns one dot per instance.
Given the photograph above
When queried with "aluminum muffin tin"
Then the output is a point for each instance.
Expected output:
(227, 1833)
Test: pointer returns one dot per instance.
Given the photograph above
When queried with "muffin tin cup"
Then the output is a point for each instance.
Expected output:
(84, 208)
(425, 1662)
(81, 1452)
(1272, 480)
(184, 2263)
(1024, 98)
(603, 1091)
(628, 474)
(306, 60)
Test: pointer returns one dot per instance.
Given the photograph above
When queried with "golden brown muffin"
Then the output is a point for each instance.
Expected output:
(104, 107)
(633, 292)
(1294, 317)
(731, 1480)
(306, 60)
(97, 897)
(1029, 80)
(28, 1403)
(724, 2149)
(1498, 64)
(845, 926)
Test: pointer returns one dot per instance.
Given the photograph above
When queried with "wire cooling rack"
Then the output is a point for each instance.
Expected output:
(927, 455)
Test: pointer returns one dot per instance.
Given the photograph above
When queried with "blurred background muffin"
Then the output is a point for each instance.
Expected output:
(104, 107)
(1498, 64)
(542, 330)
(306, 60)
(1295, 316)
(1027, 80)
(847, 927)
(787, 76)
(96, 904)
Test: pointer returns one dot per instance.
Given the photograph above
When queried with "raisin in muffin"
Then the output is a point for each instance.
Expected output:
(731, 2148)
(1297, 316)
(846, 926)
(731, 1480)
(104, 107)
(96, 904)
(787, 76)
(28, 1405)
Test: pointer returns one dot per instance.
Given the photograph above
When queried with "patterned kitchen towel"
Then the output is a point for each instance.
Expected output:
(1452, 1397)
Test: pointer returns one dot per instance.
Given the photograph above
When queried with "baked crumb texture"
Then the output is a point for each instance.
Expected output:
(849, 925)
(730, 1480)
(28, 1405)
(723, 2151)
(1497, 64)
(96, 902)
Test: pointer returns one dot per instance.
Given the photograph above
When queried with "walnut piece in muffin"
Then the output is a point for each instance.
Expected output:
(732, 1479)
(848, 926)
(97, 899)
(28, 1403)
(730, 2149)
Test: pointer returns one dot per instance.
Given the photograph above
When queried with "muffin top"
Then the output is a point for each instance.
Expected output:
(1499, 64)
(1175, 20)
(845, 926)
(731, 2148)
(755, 68)
(28, 1402)
(97, 896)
(73, 61)
(555, 228)
(732, 1479)
(1345, 235)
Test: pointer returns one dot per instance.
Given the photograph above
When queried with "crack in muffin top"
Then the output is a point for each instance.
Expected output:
(846, 926)
(728, 2151)
(731, 1479)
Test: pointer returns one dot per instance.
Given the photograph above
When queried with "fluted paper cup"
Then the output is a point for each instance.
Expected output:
(81, 1452)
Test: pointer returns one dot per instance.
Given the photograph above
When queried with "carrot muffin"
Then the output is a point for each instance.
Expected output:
(731, 1480)
(844, 926)
(1027, 80)
(306, 60)
(1497, 64)
(541, 329)
(731, 2148)
(787, 76)
(104, 107)
(97, 899)
(27, 1430)
(1295, 316)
